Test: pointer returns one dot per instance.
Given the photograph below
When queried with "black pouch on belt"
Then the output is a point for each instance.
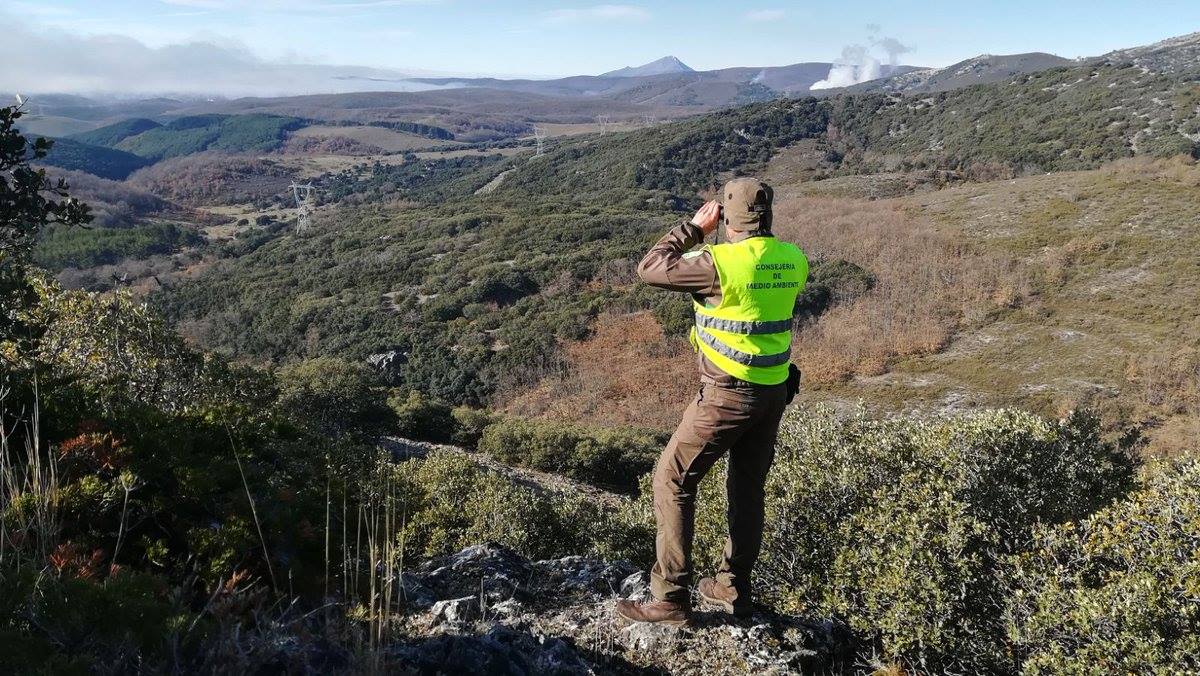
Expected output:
(793, 382)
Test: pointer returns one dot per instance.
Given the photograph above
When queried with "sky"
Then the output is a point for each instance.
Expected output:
(543, 38)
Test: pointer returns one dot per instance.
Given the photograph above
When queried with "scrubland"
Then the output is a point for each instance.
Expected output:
(1015, 493)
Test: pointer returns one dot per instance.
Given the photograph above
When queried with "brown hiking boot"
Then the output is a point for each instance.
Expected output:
(716, 594)
(659, 612)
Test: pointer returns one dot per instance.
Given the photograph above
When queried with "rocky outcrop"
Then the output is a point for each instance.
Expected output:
(487, 610)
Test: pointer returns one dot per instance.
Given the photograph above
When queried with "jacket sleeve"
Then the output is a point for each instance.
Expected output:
(668, 265)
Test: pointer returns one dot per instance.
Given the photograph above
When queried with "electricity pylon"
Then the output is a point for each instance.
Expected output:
(304, 204)
(539, 138)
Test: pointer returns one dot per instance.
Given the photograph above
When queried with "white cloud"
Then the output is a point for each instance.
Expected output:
(598, 13)
(764, 15)
(54, 60)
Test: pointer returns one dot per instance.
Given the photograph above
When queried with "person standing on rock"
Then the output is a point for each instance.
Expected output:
(744, 295)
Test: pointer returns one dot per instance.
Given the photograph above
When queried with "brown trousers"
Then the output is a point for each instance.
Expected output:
(743, 422)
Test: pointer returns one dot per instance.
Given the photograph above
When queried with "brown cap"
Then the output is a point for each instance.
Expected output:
(746, 204)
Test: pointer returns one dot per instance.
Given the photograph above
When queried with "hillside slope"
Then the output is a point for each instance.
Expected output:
(112, 134)
(104, 162)
(420, 266)
(1060, 119)
(1108, 318)
(982, 69)
(197, 133)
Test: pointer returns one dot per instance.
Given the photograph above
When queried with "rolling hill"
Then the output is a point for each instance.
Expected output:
(198, 133)
(554, 242)
(110, 135)
(667, 83)
(103, 162)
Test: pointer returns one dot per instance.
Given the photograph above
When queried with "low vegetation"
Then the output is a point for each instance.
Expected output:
(224, 133)
(160, 503)
(909, 530)
(74, 248)
(924, 285)
(213, 178)
(1115, 591)
(104, 162)
(606, 457)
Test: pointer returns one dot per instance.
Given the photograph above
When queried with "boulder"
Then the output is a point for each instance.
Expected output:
(456, 611)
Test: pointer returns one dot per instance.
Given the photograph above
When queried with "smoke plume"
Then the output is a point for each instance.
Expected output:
(858, 64)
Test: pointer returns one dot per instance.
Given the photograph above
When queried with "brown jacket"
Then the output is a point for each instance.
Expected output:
(668, 265)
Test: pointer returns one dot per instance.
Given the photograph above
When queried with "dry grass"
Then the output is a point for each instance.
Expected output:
(29, 484)
(1166, 384)
(627, 374)
(927, 284)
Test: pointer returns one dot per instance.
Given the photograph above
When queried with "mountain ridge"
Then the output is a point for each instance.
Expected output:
(663, 66)
(981, 69)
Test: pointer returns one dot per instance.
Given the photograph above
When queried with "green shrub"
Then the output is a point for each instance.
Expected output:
(1118, 592)
(452, 502)
(419, 416)
(73, 247)
(469, 424)
(598, 455)
(900, 527)
(333, 397)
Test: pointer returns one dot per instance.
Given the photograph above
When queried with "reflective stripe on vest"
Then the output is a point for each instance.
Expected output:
(744, 358)
(744, 328)
(748, 334)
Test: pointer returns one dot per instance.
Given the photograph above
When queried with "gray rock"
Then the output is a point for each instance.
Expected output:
(647, 637)
(456, 611)
(636, 587)
(388, 364)
(556, 616)
(507, 609)
(489, 569)
(579, 574)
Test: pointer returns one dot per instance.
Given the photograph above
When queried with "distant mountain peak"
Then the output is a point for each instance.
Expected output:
(663, 66)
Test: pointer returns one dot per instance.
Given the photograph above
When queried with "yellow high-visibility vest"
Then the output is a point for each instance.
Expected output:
(749, 334)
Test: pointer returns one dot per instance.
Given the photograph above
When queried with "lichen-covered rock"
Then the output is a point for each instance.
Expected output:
(456, 611)
(636, 587)
(496, 612)
(489, 569)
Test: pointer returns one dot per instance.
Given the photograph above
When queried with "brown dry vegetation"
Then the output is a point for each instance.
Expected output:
(626, 374)
(214, 178)
(928, 284)
(381, 138)
(1111, 321)
(333, 145)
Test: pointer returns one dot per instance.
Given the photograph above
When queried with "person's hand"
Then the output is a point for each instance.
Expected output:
(708, 217)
